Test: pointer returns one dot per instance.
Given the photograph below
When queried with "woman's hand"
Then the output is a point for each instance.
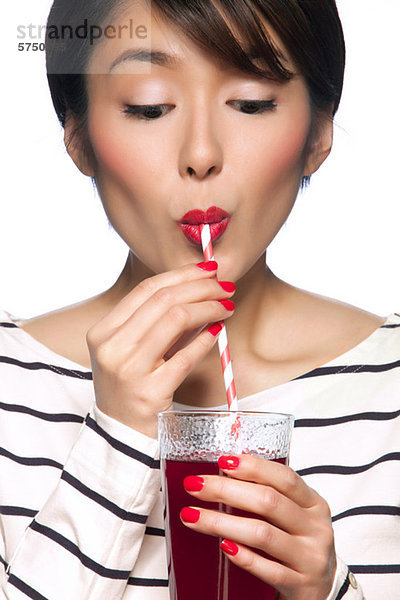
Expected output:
(146, 346)
(293, 525)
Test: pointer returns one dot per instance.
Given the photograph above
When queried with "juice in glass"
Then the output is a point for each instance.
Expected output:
(198, 569)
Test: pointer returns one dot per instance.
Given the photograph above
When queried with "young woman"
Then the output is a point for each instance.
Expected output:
(223, 122)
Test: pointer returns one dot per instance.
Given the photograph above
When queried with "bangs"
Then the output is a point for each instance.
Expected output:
(230, 31)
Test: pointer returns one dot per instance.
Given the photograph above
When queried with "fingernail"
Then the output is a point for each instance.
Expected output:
(210, 265)
(190, 515)
(229, 547)
(227, 286)
(193, 483)
(228, 304)
(215, 328)
(228, 462)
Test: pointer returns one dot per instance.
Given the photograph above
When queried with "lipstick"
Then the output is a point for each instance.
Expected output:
(217, 218)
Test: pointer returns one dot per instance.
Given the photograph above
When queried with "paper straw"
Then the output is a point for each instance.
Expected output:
(222, 338)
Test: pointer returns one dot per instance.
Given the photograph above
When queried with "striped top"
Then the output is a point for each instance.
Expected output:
(80, 503)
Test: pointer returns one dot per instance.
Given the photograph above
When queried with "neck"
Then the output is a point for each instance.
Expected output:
(259, 297)
(256, 297)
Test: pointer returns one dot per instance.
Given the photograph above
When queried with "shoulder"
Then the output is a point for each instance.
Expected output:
(321, 328)
(64, 330)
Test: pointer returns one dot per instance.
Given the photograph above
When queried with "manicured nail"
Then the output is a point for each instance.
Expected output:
(228, 304)
(228, 463)
(193, 483)
(227, 286)
(229, 547)
(210, 265)
(190, 515)
(215, 328)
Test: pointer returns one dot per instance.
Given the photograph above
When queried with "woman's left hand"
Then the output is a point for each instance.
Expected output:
(294, 525)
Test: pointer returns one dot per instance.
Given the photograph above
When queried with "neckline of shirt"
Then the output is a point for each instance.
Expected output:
(393, 318)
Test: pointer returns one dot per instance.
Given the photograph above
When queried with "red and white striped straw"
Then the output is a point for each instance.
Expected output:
(222, 338)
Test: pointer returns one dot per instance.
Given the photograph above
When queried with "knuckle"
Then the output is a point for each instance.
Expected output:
(218, 487)
(182, 362)
(163, 296)
(179, 315)
(325, 509)
(90, 337)
(263, 534)
(327, 537)
(248, 561)
(269, 499)
(147, 286)
(291, 480)
(103, 354)
(215, 523)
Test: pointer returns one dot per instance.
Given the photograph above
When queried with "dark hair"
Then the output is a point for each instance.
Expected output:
(310, 30)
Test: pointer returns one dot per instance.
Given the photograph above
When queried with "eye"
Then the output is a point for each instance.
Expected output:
(253, 107)
(152, 112)
(145, 112)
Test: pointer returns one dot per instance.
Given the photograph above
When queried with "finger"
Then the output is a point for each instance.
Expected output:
(274, 573)
(183, 341)
(169, 302)
(268, 472)
(146, 288)
(259, 499)
(170, 327)
(173, 372)
(255, 533)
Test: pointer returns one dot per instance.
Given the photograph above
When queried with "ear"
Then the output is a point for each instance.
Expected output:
(77, 145)
(320, 146)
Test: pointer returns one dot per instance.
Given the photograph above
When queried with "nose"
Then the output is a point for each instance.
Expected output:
(201, 152)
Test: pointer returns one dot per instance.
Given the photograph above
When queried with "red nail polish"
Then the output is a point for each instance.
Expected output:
(190, 515)
(215, 328)
(228, 304)
(209, 265)
(193, 483)
(229, 547)
(227, 286)
(228, 463)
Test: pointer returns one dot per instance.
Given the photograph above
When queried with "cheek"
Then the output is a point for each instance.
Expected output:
(272, 155)
(117, 155)
(289, 153)
(286, 147)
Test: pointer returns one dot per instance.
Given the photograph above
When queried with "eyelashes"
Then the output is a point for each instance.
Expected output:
(147, 112)
(152, 112)
(260, 106)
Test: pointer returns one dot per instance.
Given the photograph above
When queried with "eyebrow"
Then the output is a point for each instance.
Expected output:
(158, 57)
(155, 57)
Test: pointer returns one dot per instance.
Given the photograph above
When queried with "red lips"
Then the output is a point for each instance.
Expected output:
(196, 217)
(217, 218)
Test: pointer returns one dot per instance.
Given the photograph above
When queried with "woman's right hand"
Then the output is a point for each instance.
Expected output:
(133, 378)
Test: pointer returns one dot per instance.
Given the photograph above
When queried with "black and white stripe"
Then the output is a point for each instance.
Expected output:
(81, 493)
(38, 365)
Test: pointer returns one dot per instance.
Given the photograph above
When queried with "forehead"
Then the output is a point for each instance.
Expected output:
(138, 37)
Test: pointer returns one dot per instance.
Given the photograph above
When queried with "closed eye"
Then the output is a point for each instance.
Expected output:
(256, 106)
(152, 112)
(147, 112)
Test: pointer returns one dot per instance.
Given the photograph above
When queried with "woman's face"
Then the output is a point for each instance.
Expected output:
(203, 148)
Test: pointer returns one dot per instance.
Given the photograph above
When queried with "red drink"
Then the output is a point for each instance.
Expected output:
(198, 569)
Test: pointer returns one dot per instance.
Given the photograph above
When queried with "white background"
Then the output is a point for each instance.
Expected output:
(342, 239)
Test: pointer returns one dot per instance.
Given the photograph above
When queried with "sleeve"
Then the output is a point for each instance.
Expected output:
(86, 539)
(345, 585)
